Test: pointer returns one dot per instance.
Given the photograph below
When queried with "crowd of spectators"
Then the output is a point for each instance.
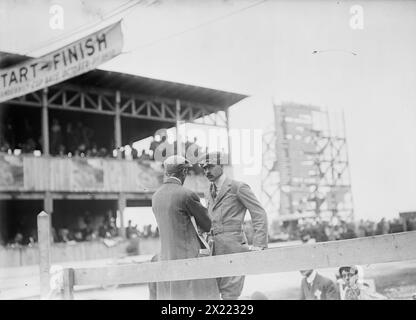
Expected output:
(76, 139)
(306, 230)
(315, 229)
(146, 231)
(26, 141)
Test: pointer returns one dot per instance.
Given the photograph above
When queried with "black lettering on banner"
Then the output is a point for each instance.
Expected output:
(33, 66)
(81, 50)
(72, 54)
(64, 58)
(101, 40)
(90, 47)
(12, 78)
(55, 60)
(4, 75)
(23, 73)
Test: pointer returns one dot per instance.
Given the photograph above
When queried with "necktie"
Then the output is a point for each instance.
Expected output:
(213, 190)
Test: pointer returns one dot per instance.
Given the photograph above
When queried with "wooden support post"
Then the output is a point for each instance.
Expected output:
(178, 122)
(230, 171)
(68, 293)
(48, 208)
(121, 207)
(48, 203)
(45, 123)
(44, 253)
(117, 125)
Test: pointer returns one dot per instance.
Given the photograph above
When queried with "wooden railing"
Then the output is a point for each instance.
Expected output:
(26, 173)
(369, 250)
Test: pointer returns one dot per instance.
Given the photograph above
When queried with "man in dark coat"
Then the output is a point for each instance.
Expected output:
(317, 287)
(228, 201)
(173, 206)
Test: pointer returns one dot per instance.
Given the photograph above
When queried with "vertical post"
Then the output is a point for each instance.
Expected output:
(121, 207)
(68, 293)
(178, 136)
(117, 125)
(48, 208)
(344, 128)
(227, 115)
(404, 222)
(44, 253)
(45, 122)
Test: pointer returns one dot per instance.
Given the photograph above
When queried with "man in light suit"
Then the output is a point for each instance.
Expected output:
(174, 206)
(227, 202)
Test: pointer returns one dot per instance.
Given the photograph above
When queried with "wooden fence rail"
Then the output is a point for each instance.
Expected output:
(369, 250)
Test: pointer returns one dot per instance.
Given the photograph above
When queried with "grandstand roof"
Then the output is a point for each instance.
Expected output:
(142, 85)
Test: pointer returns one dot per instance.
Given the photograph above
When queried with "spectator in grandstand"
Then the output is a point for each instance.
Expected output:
(129, 230)
(64, 235)
(134, 152)
(70, 138)
(5, 146)
(317, 287)
(18, 239)
(382, 227)
(9, 133)
(144, 156)
(56, 136)
(103, 152)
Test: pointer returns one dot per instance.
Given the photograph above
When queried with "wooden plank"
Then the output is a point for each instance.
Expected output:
(369, 250)
(44, 253)
(68, 293)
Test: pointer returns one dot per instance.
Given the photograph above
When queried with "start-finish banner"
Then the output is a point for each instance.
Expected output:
(70, 61)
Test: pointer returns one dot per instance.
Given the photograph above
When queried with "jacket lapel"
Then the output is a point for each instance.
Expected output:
(224, 189)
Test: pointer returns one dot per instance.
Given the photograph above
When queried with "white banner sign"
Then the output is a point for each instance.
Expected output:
(72, 60)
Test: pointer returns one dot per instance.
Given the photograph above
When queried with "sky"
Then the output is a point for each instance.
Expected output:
(265, 49)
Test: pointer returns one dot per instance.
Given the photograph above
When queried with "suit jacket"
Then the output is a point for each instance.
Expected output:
(173, 205)
(227, 213)
(322, 289)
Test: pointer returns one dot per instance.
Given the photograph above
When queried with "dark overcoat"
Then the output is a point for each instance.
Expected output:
(173, 205)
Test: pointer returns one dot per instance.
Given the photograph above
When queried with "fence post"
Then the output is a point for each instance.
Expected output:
(68, 284)
(44, 253)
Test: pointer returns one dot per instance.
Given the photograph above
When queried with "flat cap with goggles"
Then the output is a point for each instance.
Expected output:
(213, 158)
(175, 164)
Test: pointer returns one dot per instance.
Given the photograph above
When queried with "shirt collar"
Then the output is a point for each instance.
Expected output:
(311, 277)
(174, 179)
(220, 181)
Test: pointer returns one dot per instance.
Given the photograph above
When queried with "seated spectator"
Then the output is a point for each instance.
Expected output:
(78, 236)
(62, 150)
(103, 152)
(18, 239)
